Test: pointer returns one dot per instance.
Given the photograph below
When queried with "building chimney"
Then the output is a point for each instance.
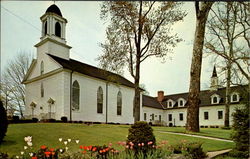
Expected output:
(160, 96)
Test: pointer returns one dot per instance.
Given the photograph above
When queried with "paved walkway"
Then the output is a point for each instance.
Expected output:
(204, 137)
(216, 153)
(209, 154)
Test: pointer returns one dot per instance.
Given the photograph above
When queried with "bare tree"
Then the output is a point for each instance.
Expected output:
(202, 9)
(138, 30)
(12, 77)
(229, 38)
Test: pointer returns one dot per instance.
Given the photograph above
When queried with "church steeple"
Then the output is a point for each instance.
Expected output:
(53, 24)
(53, 33)
(214, 80)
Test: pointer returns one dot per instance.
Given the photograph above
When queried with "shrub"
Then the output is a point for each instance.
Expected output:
(15, 119)
(35, 120)
(3, 121)
(141, 137)
(64, 119)
(195, 150)
(3, 155)
(241, 132)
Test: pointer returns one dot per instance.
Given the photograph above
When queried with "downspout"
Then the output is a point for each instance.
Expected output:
(70, 97)
(106, 102)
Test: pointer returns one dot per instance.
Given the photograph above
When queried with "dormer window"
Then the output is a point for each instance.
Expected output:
(234, 97)
(215, 99)
(181, 102)
(170, 103)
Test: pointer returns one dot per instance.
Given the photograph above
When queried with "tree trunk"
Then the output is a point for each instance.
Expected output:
(194, 87)
(227, 102)
(137, 94)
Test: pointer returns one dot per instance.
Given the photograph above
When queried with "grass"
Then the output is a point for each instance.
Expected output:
(48, 134)
(210, 132)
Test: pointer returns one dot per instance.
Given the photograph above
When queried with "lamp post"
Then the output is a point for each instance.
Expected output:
(32, 105)
(50, 102)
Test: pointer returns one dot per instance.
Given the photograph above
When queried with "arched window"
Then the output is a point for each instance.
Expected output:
(99, 100)
(181, 102)
(42, 68)
(42, 90)
(58, 29)
(215, 100)
(75, 96)
(45, 28)
(234, 97)
(119, 103)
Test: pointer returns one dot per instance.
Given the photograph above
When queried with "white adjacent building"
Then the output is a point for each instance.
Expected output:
(57, 86)
(171, 110)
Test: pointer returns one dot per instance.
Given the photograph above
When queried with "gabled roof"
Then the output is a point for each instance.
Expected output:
(92, 71)
(205, 97)
(151, 102)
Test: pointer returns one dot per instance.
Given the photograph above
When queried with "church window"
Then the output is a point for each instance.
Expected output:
(160, 118)
(58, 29)
(42, 90)
(42, 68)
(99, 100)
(170, 104)
(45, 28)
(75, 96)
(145, 116)
(119, 103)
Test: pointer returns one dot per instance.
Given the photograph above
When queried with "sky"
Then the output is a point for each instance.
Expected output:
(21, 30)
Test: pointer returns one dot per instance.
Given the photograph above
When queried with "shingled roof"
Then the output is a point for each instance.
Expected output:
(92, 71)
(150, 102)
(205, 98)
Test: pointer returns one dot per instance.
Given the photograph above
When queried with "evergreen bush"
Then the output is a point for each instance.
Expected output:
(241, 133)
(3, 122)
(141, 137)
(64, 119)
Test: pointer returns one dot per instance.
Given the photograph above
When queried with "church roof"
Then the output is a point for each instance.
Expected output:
(92, 71)
(150, 102)
(205, 97)
(54, 9)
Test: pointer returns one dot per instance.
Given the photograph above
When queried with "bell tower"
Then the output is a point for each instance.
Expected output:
(214, 81)
(53, 40)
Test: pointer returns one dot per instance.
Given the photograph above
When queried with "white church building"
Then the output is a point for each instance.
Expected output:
(57, 86)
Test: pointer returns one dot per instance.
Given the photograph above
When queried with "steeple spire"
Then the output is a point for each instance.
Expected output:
(214, 72)
(214, 80)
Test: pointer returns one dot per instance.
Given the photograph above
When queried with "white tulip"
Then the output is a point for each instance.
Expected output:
(60, 139)
(77, 141)
(22, 152)
(65, 142)
(29, 143)
(69, 140)
(25, 147)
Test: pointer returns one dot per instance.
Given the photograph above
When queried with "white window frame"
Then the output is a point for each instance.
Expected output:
(218, 99)
(179, 102)
(231, 97)
(168, 101)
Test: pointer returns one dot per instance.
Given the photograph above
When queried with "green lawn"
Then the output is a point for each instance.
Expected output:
(211, 132)
(48, 134)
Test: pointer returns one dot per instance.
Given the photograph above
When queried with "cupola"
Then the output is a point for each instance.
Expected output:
(53, 24)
